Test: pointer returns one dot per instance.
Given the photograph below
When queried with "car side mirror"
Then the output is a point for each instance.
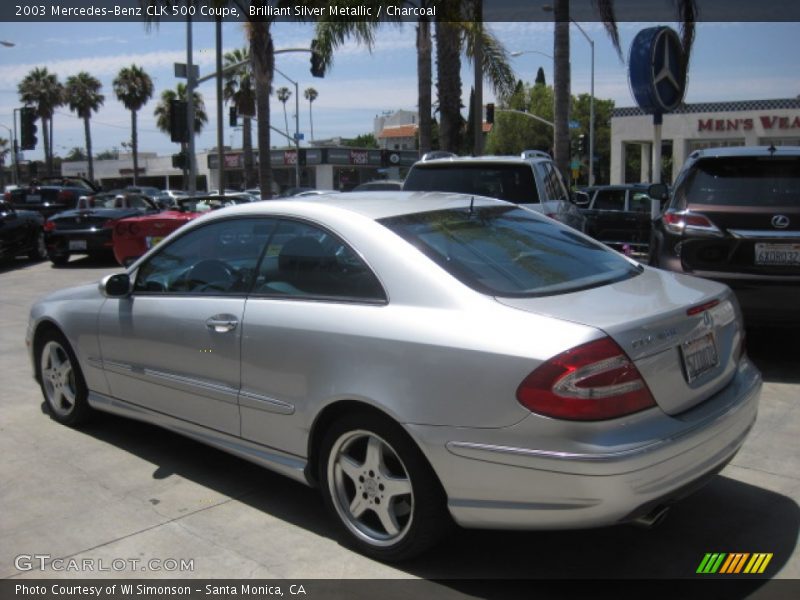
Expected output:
(581, 199)
(658, 191)
(117, 285)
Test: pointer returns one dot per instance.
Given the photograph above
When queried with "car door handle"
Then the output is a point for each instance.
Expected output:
(222, 323)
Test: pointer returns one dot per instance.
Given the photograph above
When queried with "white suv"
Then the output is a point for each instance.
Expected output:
(531, 180)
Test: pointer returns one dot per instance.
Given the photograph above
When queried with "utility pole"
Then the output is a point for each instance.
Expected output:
(190, 85)
(220, 124)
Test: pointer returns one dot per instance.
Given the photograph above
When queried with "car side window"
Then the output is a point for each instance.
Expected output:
(640, 202)
(308, 262)
(553, 188)
(610, 200)
(216, 259)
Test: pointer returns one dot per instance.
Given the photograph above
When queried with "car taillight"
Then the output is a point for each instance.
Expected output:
(591, 382)
(110, 224)
(121, 228)
(49, 225)
(133, 228)
(7, 196)
(689, 222)
(65, 197)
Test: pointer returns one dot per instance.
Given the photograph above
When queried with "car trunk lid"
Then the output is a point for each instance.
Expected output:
(681, 332)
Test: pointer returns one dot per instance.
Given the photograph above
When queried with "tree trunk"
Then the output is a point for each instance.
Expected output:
(561, 87)
(448, 74)
(261, 51)
(247, 148)
(424, 77)
(184, 169)
(88, 133)
(134, 148)
(50, 163)
(311, 117)
(477, 99)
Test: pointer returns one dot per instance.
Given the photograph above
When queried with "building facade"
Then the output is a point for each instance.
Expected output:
(703, 125)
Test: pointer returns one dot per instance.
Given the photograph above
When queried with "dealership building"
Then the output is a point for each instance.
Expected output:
(703, 125)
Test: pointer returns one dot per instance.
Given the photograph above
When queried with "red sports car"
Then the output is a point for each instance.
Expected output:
(134, 236)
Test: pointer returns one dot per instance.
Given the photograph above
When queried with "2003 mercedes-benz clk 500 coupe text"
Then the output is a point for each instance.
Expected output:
(423, 358)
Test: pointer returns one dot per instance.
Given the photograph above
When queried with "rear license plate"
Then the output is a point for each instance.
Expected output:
(153, 241)
(778, 254)
(33, 198)
(77, 244)
(699, 356)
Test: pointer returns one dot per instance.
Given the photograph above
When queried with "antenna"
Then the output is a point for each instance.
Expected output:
(471, 205)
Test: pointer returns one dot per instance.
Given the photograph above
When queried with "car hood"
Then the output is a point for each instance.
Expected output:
(87, 291)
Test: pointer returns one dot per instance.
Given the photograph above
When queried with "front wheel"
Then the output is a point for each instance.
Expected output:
(62, 382)
(381, 488)
(39, 250)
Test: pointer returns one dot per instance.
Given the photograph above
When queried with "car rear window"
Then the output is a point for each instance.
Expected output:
(745, 181)
(513, 183)
(510, 252)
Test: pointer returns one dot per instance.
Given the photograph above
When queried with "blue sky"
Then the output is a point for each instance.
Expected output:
(731, 61)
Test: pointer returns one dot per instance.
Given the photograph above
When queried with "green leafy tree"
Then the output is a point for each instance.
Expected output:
(311, 94)
(133, 87)
(365, 140)
(82, 94)
(283, 94)
(42, 90)
(239, 90)
(76, 153)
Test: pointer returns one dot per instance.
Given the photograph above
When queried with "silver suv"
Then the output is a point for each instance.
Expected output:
(530, 179)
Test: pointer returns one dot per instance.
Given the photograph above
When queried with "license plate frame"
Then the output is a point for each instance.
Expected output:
(699, 356)
(77, 245)
(763, 258)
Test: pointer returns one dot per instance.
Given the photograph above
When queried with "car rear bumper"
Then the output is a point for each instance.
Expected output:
(69, 242)
(516, 478)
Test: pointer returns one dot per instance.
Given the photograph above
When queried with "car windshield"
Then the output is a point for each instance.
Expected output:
(121, 201)
(510, 182)
(509, 251)
(745, 181)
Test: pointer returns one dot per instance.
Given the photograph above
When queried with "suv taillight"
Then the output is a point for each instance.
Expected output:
(591, 382)
(688, 222)
(49, 225)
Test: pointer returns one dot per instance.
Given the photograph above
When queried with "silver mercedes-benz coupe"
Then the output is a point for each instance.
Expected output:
(422, 358)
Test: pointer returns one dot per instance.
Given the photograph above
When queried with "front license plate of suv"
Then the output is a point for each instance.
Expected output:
(778, 254)
(699, 356)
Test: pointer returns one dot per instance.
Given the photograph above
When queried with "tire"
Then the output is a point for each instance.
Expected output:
(63, 386)
(402, 510)
(59, 260)
(39, 250)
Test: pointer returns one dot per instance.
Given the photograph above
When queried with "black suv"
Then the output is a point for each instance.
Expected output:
(734, 217)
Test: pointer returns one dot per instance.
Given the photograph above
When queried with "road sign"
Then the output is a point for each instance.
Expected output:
(299, 136)
(182, 71)
(574, 124)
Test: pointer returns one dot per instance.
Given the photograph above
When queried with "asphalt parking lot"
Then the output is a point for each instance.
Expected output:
(118, 489)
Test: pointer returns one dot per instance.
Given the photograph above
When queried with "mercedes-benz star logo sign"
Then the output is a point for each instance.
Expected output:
(666, 52)
(780, 221)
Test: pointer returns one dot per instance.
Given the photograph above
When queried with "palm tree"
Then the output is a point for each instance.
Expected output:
(82, 94)
(311, 94)
(42, 90)
(163, 110)
(133, 87)
(262, 56)
(239, 91)
(687, 12)
(4, 151)
(283, 95)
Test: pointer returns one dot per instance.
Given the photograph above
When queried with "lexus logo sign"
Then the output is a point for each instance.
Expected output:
(780, 221)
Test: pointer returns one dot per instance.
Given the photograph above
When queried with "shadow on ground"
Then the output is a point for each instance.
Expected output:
(725, 516)
(776, 353)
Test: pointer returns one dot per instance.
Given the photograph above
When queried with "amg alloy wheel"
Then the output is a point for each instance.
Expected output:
(62, 381)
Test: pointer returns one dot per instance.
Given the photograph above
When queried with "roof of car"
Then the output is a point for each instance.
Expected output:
(746, 151)
(373, 205)
(483, 160)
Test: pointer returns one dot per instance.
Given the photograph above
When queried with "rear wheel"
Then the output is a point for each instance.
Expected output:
(62, 382)
(59, 260)
(381, 488)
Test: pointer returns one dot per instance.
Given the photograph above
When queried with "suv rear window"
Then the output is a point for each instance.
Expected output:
(513, 183)
(511, 252)
(745, 181)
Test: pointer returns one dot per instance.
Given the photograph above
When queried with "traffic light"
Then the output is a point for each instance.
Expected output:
(27, 117)
(582, 145)
(490, 112)
(317, 67)
(178, 117)
(179, 160)
(233, 117)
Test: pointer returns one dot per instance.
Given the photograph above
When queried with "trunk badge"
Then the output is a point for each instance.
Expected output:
(780, 221)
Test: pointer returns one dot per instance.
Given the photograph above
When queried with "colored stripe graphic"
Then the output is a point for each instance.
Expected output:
(734, 563)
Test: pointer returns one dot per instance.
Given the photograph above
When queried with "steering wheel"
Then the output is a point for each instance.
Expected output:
(210, 273)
